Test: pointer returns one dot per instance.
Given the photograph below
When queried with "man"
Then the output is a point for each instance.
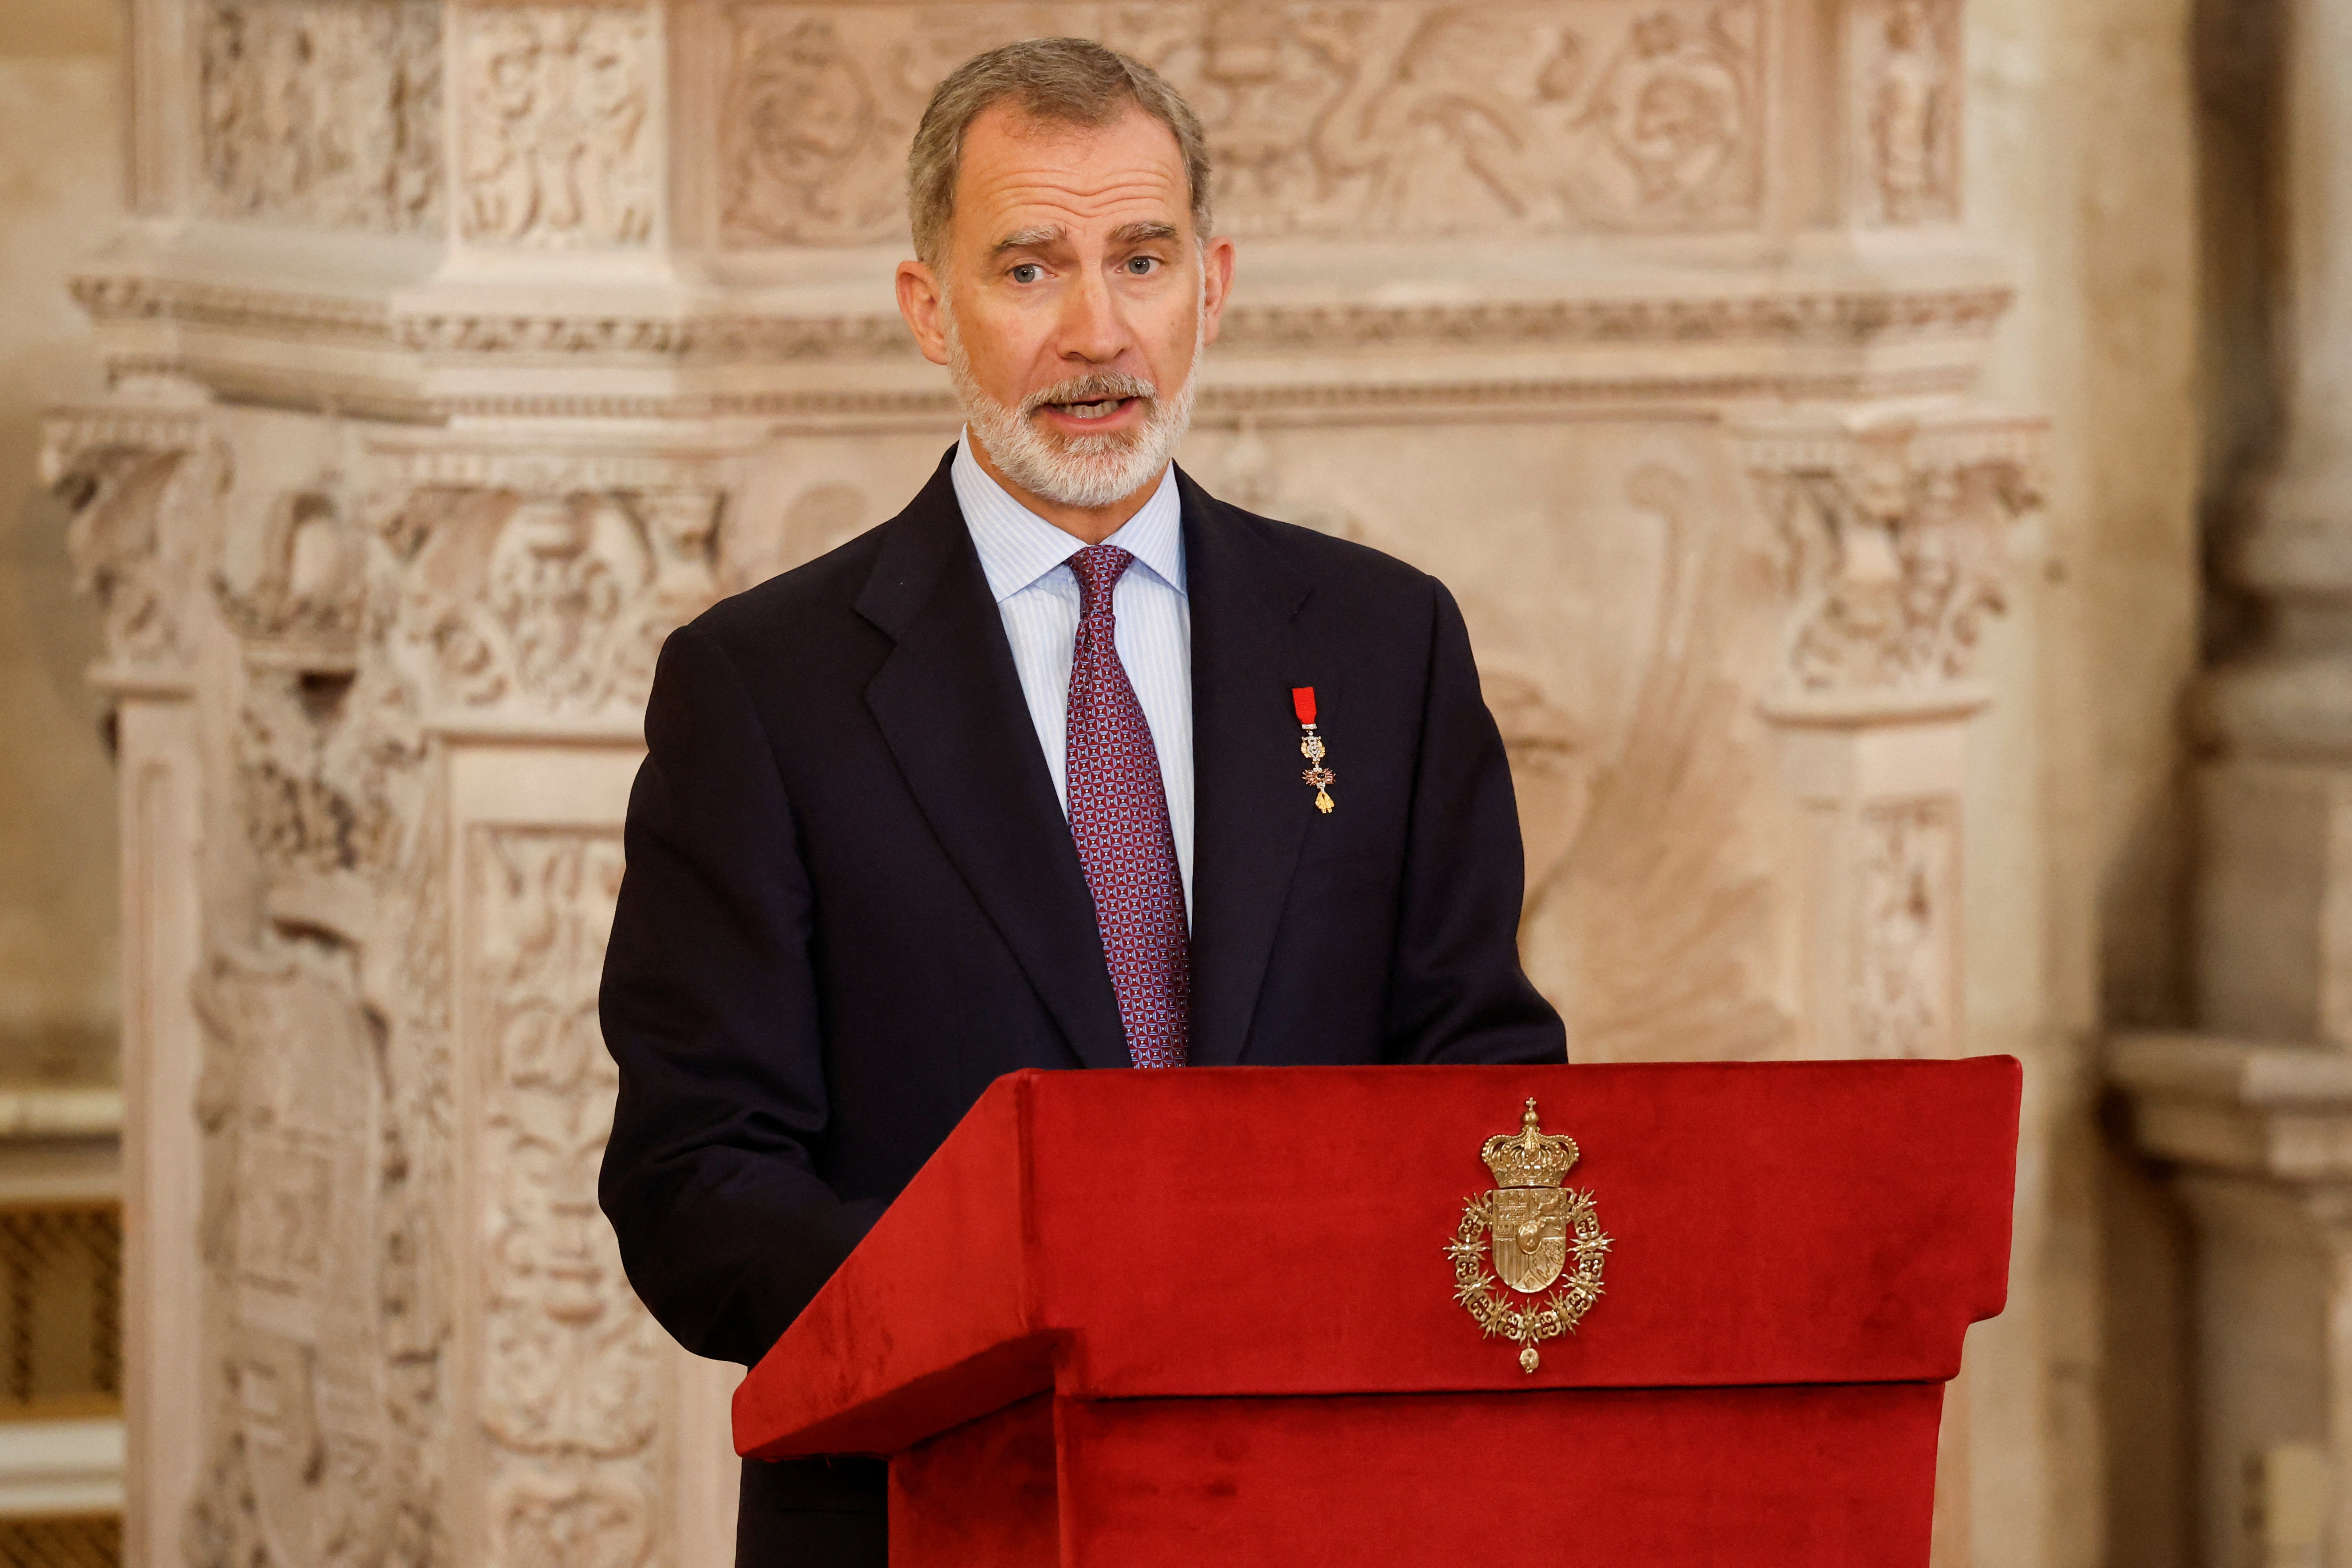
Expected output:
(1014, 780)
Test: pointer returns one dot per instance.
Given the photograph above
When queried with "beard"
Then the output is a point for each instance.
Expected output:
(1076, 470)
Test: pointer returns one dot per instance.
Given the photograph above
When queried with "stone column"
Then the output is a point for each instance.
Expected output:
(2276, 950)
(142, 479)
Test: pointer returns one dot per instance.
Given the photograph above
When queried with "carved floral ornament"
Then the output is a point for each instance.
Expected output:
(571, 1374)
(547, 601)
(1895, 546)
(1400, 116)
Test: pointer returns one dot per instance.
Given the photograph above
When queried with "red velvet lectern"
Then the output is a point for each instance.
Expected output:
(1130, 1320)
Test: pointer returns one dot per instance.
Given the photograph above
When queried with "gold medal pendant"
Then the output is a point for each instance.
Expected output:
(1310, 746)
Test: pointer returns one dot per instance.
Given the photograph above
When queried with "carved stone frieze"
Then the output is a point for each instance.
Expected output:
(558, 130)
(546, 599)
(1894, 542)
(1401, 117)
(1907, 124)
(570, 1399)
(322, 112)
(140, 482)
(1857, 317)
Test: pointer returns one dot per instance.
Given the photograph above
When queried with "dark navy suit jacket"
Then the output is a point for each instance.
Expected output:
(853, 901)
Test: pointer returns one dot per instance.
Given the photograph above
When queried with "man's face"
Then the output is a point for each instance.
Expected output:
(1071, 302)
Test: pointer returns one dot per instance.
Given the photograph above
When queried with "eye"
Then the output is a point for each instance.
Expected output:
(1027, 272)
(1141, 266)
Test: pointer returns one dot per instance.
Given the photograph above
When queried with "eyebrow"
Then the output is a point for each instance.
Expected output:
(1028, 238)
(1139, 233)
(1047, 233)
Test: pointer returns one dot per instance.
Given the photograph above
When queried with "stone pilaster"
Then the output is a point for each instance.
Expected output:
(1893, 533)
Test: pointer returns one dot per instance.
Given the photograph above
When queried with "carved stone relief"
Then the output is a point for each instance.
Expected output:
(548, 602)
(1658, 927)
(1904, 993)
(1395, 116)
(140, 485)
(557, 109)
(305, 600)
(309, 1466)
(322, 112)
(1906, 57)
(325, 1040)
(569, 1402)
(1895, 551)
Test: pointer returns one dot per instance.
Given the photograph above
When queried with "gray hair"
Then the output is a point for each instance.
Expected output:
(1075, 81)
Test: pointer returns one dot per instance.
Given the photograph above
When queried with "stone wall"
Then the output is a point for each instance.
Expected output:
(60, 182)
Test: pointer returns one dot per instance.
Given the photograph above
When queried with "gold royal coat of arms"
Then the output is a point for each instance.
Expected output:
(1532, 1228)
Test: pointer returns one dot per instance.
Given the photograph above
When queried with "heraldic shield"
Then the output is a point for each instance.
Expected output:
(1530, 1235)
(1533, 1227)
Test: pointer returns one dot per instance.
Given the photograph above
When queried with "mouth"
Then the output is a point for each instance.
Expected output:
(1102, 405)
(1096, 413)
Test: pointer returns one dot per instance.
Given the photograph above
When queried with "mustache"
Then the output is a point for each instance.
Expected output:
(1096, 386)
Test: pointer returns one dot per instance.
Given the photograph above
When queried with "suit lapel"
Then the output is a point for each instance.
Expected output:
(950, 706)
(1249, 813)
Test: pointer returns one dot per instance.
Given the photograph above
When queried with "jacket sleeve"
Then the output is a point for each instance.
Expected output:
(710, 1010)
(1456, 993)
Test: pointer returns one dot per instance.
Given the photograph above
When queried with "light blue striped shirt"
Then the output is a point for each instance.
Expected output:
(1026, 559)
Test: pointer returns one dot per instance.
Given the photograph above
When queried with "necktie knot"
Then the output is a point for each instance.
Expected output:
(1098, 568)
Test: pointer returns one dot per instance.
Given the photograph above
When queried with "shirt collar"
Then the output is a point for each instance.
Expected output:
(1017, 547)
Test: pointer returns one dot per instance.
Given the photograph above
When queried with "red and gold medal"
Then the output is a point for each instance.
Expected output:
(1310, 746)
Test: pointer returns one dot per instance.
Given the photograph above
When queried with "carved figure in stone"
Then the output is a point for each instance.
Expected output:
(1435, 131)
(322, 112)
(1909, 110)
(557, 127)
(1672, 108)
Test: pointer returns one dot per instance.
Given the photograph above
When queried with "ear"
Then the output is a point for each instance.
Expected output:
(919, 298)
(1216, 284)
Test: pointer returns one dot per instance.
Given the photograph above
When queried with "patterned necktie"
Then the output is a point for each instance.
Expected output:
(1118, 815)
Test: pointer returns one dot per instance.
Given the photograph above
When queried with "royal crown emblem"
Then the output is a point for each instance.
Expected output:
(1531, 1227)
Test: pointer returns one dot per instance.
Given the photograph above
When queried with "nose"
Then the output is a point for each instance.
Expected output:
(1092, 328)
